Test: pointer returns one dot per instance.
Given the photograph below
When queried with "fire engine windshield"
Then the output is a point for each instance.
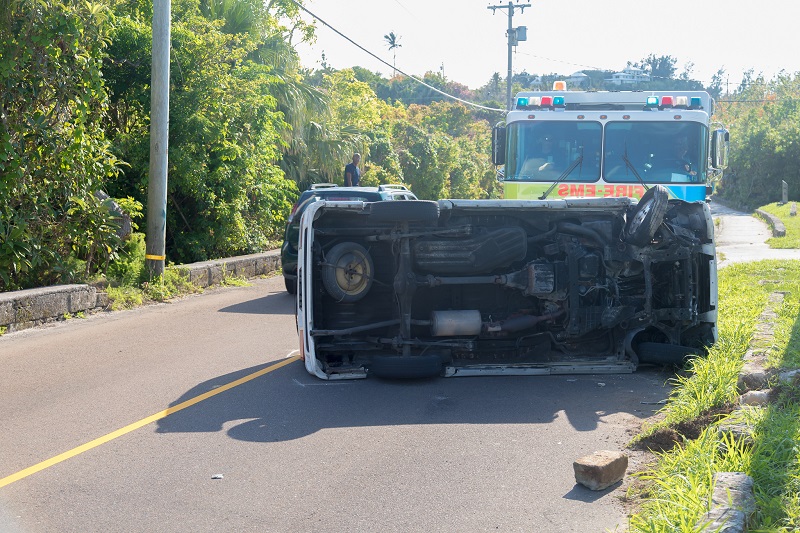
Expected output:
(660, 152)
(543, 151)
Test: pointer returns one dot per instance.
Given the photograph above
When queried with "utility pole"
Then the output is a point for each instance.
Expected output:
(155, 253)
(514, 36)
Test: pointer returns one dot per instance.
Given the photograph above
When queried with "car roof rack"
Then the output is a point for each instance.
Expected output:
(392, 187)
(322, 185)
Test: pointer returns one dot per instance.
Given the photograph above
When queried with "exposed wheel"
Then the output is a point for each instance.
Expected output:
(404, 211)
(648, 216)
(664, 354)
(291, 285)
(348, 271)
(406, 367)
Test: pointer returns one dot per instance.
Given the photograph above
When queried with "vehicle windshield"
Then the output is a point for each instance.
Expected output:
(542, 151)
(661, 152)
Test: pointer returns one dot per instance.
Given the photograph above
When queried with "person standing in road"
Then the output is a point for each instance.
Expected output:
(351, 173)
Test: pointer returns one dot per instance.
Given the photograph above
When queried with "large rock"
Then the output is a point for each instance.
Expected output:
(601, 469)
(752, 377)
(758, 398)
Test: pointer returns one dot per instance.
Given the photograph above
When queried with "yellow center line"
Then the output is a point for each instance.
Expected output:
(141, 423)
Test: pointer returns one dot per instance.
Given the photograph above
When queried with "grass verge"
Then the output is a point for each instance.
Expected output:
(678, 489)
(792, 223)
(129, 285)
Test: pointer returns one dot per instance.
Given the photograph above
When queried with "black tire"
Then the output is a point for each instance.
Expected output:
(406, 367)
(658, 353)
(404, 211)
(291, 285)
(648, 216)
(348, 271)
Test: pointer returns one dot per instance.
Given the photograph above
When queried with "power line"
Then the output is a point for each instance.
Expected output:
(407, 11)
(351, 41)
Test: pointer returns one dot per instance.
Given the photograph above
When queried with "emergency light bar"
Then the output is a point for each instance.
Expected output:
(574, 100)
(540, 102)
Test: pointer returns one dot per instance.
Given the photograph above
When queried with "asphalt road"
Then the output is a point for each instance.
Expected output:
(122, 422)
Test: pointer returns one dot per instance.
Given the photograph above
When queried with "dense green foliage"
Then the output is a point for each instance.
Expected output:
(226, 192)
(53, 150)
(764, 121)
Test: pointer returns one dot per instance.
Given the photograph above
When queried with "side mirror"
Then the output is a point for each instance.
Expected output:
(720, 141)
(499, 144)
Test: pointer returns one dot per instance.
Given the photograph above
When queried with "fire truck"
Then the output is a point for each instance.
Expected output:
(559, 144)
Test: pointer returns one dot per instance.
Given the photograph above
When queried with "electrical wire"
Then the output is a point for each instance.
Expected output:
(351, 41)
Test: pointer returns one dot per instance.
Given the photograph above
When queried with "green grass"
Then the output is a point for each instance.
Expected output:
(678, 488)
(124, 297)
(172, 283)
(129, 283)
(792, 223)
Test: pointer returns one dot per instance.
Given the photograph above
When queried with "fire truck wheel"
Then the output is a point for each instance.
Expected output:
(647, 217)
(405, 211)
(347, 272)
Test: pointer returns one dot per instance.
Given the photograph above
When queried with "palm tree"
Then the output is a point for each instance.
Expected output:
(393, 41)
(240, 16)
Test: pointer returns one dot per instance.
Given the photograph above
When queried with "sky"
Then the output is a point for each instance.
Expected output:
(468, 43)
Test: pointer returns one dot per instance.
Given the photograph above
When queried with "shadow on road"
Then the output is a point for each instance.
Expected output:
(579, 493)
(272, 304)
(289, 404)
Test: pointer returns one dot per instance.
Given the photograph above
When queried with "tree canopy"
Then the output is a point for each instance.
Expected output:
(55, 154)
(764, 121)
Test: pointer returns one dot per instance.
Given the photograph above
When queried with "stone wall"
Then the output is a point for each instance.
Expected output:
(33, 307)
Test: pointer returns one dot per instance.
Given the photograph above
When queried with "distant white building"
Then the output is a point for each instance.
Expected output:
(578, 79)
(629, 76)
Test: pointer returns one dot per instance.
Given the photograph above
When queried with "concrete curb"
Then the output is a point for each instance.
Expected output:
(732, 504)
(733, 495)
(33, 307)
(778, 229)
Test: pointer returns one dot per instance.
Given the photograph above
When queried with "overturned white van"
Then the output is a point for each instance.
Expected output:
(504, 287)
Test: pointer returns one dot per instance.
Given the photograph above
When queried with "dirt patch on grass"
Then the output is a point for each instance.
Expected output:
(665, 438)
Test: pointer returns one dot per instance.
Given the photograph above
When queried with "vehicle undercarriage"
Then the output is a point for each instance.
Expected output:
(417, 289)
